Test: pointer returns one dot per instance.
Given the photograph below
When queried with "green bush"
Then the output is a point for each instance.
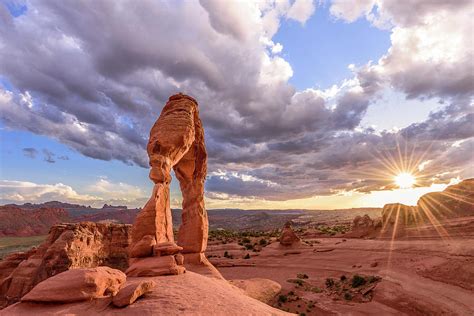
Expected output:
(282, 298)
(358, 280)
(247, 256)
(343, 278)
(263, 242)
(302, 276)
(347, 296)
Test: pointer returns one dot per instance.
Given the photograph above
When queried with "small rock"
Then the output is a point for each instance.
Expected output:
(130, 293)
(374, 264)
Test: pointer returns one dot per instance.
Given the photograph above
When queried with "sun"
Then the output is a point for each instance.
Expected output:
(405, 180)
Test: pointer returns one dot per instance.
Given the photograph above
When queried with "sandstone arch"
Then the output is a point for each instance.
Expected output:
(176, 141)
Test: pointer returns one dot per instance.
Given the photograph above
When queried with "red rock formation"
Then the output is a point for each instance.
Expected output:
(288, 236)
(77, 285)
(68, 246)
(16, 221)
(364, 226)
(176, 141)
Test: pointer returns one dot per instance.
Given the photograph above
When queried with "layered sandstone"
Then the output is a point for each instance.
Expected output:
(68, 246)
(288, 236)
(176, 142)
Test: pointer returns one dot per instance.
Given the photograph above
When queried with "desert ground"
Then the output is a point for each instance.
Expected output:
(424, 275)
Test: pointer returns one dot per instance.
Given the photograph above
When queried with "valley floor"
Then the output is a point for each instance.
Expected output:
(419, 277)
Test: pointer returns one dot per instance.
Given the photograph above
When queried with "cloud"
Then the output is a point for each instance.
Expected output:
(48, 156)
(301, 10)
(30, 152)
(99, 92)
(22, 191)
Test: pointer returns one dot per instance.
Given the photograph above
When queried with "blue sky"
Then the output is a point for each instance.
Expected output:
(70, 91)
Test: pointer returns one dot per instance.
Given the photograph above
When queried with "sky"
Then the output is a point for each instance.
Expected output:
(305, 104)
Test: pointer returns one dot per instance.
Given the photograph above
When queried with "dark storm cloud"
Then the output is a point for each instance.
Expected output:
(30, 152)
(95, 74)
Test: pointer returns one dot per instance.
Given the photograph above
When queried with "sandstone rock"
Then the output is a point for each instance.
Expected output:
(364, 226)
(288, 236)
(179, 259)
(154, 266)
(68, 246)
(77, 285)
(143, 248)
(176, 141)
(166, 248)
(131, 292)
(187, 294)
(263, 290)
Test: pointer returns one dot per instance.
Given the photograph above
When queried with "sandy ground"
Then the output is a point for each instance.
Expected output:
(429, 276)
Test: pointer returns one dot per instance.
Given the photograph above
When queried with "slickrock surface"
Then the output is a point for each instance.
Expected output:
(68, 246)
(186, 294)
(288, 236)
(77, 285)
(130, 293)
(263, 290)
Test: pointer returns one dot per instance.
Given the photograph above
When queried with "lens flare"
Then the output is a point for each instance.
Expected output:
(405, 180)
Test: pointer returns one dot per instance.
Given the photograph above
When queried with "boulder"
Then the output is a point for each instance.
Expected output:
(288, 236)
(131, 292)
(166, 248)
(77, 285)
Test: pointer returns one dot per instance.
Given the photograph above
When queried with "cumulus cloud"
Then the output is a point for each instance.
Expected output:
(22, 191)
(95, 74)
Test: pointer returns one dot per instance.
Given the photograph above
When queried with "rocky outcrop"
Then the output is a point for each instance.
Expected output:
(186, 294)
(68, 246)
(176, 141)
(364, 226)
(77, 285)
(288, 236)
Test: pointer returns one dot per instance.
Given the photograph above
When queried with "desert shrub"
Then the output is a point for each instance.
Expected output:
(246, 240)
(343, 278)
(248, 246)
(301, 314)
(358, 280)
(347, 296)
(316, 289)
(302, 276)
(282, 298)
(329, 282)
(263, 242)
(247, 256)
(291, 293)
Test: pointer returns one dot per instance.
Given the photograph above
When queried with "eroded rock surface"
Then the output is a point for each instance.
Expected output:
(77, 285)
(288, 236)
(131, 292)
(176, 142)
(68, 246)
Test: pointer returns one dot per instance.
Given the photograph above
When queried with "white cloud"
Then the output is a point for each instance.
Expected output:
(301, 10)
(23, 191)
